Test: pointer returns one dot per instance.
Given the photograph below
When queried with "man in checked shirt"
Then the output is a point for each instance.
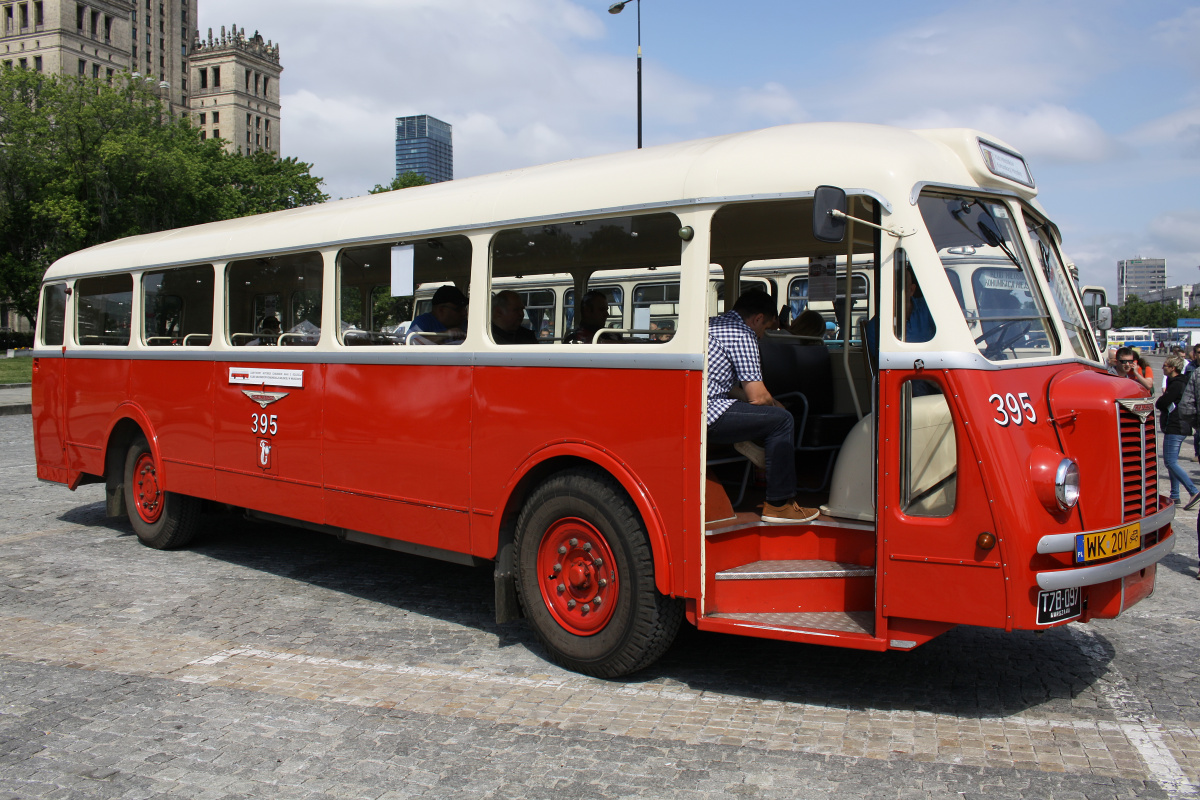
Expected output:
(740, 408)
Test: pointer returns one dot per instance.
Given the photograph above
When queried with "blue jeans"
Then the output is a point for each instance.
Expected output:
(745, 422)
(1171, 444)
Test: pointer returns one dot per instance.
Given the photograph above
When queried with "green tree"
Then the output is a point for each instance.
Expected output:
(82, 163)
(1138, 314)
(402, 181)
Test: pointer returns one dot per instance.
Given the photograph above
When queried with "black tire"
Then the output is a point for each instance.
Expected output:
(162, 520)
(573, 519)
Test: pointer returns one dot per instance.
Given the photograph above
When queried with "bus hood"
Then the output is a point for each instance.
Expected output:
(1106, 424)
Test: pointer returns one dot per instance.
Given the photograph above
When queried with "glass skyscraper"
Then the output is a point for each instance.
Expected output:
(423, 145)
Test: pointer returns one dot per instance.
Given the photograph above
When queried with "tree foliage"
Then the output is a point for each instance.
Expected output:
(82, 163)
(1138, 314)
(402, 181)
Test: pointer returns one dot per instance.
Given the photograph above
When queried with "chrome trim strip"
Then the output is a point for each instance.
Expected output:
(47, 352)
(1065, 542)
(572, 357)
(386, 236)
(1089, 576)
(957, 359)
(915, 194)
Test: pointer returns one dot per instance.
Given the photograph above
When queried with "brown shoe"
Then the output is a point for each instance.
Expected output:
(789, 512)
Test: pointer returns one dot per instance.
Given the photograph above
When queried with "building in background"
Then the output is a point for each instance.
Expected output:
(103, 38)
(1180, 295)
(228, 86)
(1140, 276)
(235, 90)
(424, 146)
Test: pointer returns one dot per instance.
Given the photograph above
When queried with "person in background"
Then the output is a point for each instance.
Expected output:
(1175, 430)
(593, 317)
(810, 324)
(1127, 368)
(508, 312)
(447, 316)
(1144, 369)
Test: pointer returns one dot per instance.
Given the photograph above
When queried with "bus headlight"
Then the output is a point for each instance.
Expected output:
(1054, 478)
(1066, 484)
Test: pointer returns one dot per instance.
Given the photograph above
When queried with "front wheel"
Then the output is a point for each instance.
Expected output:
(585, 576)
(162, 520)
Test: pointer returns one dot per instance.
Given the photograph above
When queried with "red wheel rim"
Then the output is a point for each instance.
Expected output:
(578, 576)
(147, 496)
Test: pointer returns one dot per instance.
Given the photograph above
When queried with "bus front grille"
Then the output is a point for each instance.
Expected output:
(1139, 465)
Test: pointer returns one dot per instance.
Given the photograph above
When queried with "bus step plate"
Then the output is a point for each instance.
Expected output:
(841, 621)
(775, 570)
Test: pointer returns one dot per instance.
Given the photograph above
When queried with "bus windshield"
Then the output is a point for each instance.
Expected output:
(982, 254)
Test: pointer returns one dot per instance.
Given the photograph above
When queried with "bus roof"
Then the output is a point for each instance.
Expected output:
(884, 161)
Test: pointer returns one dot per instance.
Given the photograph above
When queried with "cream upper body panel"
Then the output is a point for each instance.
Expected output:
(785, 160)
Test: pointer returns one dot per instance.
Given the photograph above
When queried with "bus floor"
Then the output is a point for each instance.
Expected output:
(816, 576)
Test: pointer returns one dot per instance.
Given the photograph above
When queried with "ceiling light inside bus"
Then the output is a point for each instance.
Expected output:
(1066, 484)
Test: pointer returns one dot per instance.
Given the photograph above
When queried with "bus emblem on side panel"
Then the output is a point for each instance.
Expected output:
(264, 399)
(264, 453)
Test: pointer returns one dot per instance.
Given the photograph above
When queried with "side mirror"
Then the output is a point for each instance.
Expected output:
(827, 227)
(1104, 318)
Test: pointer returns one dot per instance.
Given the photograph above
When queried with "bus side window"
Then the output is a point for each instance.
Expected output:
(371, 311)
(103, 310)
(177, 307)
(54, 313)
(928, 452)
(595, 254)
(257, 313)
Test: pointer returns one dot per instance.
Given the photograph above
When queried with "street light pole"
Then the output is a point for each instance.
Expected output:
(617, 8)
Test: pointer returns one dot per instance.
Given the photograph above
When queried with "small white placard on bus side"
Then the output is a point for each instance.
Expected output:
(271, 377)
(402, 270)
(641, 321)
(822, 278)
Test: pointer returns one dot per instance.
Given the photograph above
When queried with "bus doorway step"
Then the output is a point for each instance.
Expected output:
(840, 621)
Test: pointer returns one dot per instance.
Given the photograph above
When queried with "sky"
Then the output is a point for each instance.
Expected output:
(1101, 96)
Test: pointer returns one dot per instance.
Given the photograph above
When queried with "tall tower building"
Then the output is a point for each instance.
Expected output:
(424, 146)
(1140, 276)
(235, 90)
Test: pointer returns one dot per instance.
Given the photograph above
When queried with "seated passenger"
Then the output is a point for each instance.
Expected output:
(448, 316)
(268, 332)
(593, 314)
(810, 324)
(508, 312)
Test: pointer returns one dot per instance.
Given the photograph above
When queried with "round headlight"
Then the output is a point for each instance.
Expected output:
(1066, 483)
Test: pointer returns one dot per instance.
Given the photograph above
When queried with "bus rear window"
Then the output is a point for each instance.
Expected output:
(103, 310)
(54, 312)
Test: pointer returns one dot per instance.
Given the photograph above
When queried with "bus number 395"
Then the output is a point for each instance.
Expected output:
(262, 423)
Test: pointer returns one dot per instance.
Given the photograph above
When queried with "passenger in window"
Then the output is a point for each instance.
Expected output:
(447, 317)
(810, 324)
(508, 312)
(593, 317)
(268, 332)
(741, 410)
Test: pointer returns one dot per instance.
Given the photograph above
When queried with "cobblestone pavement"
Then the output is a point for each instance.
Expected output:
(266, 661)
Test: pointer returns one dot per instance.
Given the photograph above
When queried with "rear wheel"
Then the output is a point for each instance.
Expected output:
(162, 520)
(585, 576)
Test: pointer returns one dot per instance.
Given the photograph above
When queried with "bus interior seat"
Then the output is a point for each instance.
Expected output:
(801, 377)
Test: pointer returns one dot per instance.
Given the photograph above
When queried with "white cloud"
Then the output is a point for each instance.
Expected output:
(1179, 132)
(1046, 133)
(1178, 231)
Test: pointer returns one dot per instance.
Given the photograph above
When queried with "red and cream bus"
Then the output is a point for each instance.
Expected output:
(987, 471)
